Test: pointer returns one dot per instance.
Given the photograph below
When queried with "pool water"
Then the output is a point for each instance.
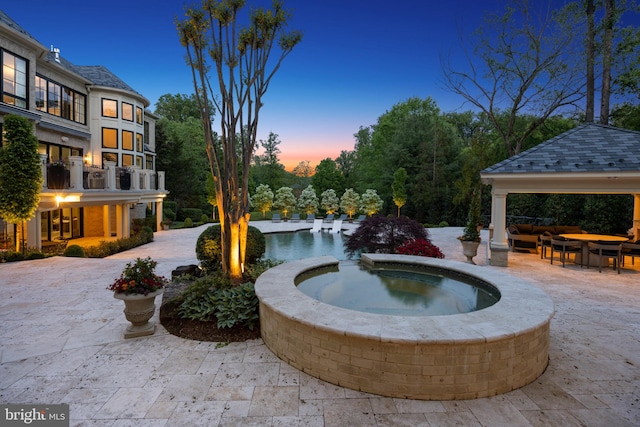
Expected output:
(394, 290)
(303, 244)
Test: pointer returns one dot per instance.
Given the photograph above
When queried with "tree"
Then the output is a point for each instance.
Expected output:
(371, 202)
(20, 172)
(329, 201)
(285, 200)
(271, 171)
(327, 176)
(380, 234)
(525, 62)
(178, 107)
(350, 202)
(263, 199)
(308, 201)
(398, 188)
(243, 70)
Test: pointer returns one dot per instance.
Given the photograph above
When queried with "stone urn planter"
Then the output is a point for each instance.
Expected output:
(139, 309)
(470, 249)
(138, 286)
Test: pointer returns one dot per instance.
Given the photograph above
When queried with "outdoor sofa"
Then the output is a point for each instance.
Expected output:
(527, 236)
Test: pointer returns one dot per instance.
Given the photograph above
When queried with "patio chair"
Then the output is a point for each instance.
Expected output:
(276, 218)
(295, 217)
(631, 249)
(565, 248)
(606, 251)
(360, 219)
(311, 217)
(343, 217)
(545, 243)
(329, 218)
(317, 226)
(337, 226)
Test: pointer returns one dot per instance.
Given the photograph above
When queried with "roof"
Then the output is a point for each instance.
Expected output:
(101, 76)
(587, 148)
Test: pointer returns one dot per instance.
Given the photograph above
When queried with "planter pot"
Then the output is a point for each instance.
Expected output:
(138, 309)
(469, 249)
(125, 181)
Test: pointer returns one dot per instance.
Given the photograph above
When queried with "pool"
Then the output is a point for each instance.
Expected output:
(303, 244)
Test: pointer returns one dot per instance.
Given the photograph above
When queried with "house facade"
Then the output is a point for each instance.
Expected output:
(96, 143)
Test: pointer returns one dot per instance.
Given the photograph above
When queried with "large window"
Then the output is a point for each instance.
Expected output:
(110, 108)
(58, 100)
(127, 112)
(127, 140)
(139, 115)
(139, 145)
(109, 138)
(14, 79)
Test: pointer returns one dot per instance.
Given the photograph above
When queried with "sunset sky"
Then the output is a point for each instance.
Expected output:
(356, 60)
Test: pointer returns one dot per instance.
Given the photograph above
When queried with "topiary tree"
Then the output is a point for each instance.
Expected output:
(209, 247)
(329, 201)
(308, 201)
(371, 202)
(380, 234)
(285, 200)
(20, 173)
(262, 200)
(350, 202)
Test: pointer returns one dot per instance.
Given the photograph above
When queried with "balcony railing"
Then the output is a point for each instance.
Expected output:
(78, 176)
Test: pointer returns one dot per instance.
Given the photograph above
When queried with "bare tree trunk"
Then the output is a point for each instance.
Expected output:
(591, 35)
(607, 47)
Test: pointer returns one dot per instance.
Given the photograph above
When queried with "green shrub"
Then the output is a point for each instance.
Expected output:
(209, 247)
(74, 251)
(198, 299)
(14, 256)
(170, 204)
(34, 255)
(106, 248)
(443, 224)
(204, 218)
(185, 213)
(169, 214)
(188, 223)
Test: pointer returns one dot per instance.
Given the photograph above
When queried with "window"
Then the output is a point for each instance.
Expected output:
(14, 80)
(109, 157)
(127, 112)
(60, 100)
(146, 132)
(109, 138)
(127, 160)
(139, 115)
(148, 161)
(109, 108)
(139, 146)
(139, 161)
(127, 140)
(53, 97)
(41, 94)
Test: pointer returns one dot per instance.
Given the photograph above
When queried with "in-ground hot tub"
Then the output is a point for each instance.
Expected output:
(459, 356)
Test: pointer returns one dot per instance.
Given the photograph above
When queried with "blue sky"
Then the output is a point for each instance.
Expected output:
(356, 60)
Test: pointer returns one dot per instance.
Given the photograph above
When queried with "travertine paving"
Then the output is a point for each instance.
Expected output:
(61, 342)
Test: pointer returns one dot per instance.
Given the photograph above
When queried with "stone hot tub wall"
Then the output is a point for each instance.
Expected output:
(462, 356)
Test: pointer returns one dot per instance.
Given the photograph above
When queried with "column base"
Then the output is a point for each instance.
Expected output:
(499, 256)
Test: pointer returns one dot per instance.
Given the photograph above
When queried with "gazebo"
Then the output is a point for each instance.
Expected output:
(589, 159)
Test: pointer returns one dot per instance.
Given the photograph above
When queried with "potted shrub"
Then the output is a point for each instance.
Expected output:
(138, 286)
(470, 238)
(56, 175)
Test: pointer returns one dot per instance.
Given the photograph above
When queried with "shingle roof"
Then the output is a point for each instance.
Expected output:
(587, 148)
(101, 76)
(4, 18)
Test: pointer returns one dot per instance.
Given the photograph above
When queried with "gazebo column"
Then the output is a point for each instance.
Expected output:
(498, 244)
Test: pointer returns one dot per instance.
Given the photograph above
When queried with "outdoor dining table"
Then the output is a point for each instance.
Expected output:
(586, 238)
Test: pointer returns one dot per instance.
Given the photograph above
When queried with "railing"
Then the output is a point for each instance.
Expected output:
(78, 176)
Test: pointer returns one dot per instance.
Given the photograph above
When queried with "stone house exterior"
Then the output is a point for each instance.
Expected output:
(93, 123)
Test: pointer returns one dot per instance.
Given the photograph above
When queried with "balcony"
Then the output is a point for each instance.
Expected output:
(77, 176)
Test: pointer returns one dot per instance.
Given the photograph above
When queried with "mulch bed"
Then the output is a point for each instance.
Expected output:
(196, 329)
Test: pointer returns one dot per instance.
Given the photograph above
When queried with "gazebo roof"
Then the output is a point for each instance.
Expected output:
(590, 158)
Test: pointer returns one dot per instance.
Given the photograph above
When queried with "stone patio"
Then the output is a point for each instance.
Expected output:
(61, 342)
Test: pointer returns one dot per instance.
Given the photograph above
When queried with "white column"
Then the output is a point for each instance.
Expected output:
(159, 215)
(498, 245)
(160, 180)
(110, 171)
(135, 177)
(636, 216)
(76, 167)
(43, 168)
